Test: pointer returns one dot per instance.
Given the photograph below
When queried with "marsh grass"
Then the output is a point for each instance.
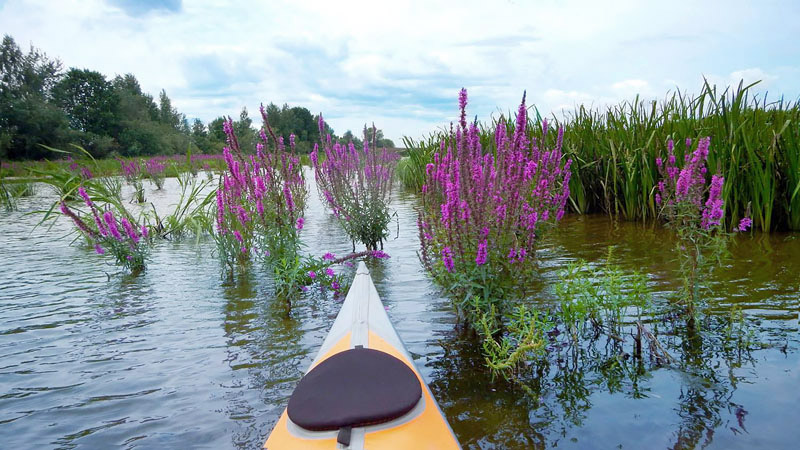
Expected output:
(756, 148)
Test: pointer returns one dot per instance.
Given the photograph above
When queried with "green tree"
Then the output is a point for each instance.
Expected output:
(167, 114)
(26, 118)
(89, 101)
(244, 131)
(215, 131)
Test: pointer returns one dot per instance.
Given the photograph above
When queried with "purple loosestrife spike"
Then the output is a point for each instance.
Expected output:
(99, 249)
(85, 196)
(329, 256)
(288, 195)
(144, 231)
(480, 258)
(238, 236)
(101, 227)
(380, 254)
(330, 272)
(744, 224)
(312, 274)
(130, 230)
(300, 223)
(335, 286)
(447, 259)
(111, 221)
(77, 220)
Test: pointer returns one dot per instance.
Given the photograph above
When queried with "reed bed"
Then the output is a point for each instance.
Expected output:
(755, 145)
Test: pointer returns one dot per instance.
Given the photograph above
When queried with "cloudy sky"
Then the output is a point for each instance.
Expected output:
(401, 64)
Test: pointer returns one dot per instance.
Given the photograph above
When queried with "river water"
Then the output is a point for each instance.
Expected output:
(181, 358)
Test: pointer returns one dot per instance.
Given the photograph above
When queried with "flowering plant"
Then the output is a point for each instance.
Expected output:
(155, 170)
(484, 205)
(694, 208)
(260, 199)
(132, 171)
(356, 185)
(122, 237)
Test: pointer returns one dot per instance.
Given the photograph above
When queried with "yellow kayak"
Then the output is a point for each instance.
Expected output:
(363, 390)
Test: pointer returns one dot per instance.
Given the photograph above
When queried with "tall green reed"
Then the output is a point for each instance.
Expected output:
(756, 148)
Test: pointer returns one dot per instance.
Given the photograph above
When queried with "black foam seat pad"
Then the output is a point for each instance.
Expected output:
(357, 387)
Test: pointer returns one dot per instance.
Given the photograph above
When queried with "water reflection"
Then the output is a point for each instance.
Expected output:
(179, 357)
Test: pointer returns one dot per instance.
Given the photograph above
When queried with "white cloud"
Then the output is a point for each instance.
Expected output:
(401, 64)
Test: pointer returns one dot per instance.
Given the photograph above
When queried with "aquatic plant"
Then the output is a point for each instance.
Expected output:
(757, 149)
(155, 170)
(484, 205)
(484, 208)
(112, 233)
(132, 172)
(260, 204)
(260, 199)
(10, 192)
(356, 184)
(694, 208)
(78, 169)
(191, 215)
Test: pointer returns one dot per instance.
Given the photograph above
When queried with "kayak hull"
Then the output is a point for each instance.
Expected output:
(363, 321)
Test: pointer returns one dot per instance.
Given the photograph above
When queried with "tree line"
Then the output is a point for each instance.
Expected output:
(42, 105)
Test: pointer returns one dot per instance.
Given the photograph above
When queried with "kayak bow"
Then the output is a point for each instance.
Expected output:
(363, 390)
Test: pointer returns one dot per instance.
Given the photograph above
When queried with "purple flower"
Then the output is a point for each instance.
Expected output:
(111, 221)
(744, 224)
(380, 254)
(713, 212)
(99, 249)
(238, 236)
(335, 286)
(288, 195)
(480, 258)
(330, 272)
(447, 259)
(130, 230)
(312, 274)
(85, 196)
(300, 223)
(329, 256)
